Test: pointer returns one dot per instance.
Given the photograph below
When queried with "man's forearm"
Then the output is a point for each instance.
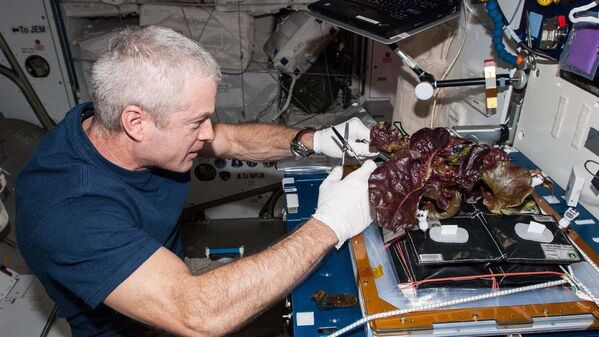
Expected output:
(233, 294)
(255, 142)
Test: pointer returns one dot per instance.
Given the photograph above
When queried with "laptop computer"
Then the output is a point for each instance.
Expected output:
(386, 21)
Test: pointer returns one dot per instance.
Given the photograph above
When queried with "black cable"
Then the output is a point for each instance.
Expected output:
(49, 322)
(261, 113)
(586, 167)
(549, 59)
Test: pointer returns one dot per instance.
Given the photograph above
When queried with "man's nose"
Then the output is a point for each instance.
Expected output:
(206, 133)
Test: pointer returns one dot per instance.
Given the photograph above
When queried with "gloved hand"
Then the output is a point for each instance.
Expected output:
(343, 204)
(327, 143)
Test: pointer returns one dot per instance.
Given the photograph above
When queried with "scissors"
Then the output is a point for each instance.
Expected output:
(346, 136)
(346, 146)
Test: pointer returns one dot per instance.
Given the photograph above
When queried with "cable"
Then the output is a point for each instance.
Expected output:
(512, 34)
(289, 95)
(472, 277)
(508, 28)
(538, 53)
(265, 110)
(281, 84)
(587, 168)
(514, 14)
(410, 275)
(449, 67)
(445, 304)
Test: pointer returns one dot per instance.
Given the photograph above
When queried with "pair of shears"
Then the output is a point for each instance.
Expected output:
(346, 146)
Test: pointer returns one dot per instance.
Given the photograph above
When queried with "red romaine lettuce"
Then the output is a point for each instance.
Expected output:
(435, 171)
(387, 139)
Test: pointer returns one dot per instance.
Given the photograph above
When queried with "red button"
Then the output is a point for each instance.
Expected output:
(561, 21)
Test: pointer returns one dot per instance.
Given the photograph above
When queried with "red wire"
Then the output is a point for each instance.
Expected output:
(388, 244)
(494, 285)
(397, 247)
(457, 278)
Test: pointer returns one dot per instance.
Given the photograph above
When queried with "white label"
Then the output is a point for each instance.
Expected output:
(559, 252)
(585, 222)
(551, 199)
(367, 19)
(449, 229)
(535, 227)
(292, 203)
(304, 318)
(430, 257)
(288, 185)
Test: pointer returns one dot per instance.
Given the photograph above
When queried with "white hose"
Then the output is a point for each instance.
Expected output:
(448, 303)
(587, 19)
(289, 95)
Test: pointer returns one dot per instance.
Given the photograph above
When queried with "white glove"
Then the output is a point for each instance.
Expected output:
(343, 204)
(327, 143)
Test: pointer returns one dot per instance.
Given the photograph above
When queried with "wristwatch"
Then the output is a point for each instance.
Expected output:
(297, 147)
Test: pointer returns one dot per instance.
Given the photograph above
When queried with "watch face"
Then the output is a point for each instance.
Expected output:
(299, 150)
(297, 147)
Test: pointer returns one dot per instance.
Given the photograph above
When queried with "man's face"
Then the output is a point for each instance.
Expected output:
(176, 145)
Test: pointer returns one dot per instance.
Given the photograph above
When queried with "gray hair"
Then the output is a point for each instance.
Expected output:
(147, 67)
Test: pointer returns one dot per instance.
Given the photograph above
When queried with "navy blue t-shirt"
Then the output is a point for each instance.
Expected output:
(84, 225)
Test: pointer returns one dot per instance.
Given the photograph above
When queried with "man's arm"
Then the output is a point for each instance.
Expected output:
(164, 294)
(255, 142)
(261, 142)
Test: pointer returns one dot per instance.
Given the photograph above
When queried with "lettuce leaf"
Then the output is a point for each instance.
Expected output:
(509, 185)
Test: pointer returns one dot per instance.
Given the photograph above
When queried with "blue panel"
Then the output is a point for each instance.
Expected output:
(335, 275)
(535, 24)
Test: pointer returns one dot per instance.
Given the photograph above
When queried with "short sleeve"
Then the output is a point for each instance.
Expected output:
(90, 245)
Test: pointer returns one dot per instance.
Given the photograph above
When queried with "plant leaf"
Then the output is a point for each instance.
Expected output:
(509, 185)
(386, 138)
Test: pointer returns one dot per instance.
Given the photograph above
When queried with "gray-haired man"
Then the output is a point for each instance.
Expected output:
(99, 199)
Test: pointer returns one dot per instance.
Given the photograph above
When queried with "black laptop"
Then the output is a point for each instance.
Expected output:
(386, 21)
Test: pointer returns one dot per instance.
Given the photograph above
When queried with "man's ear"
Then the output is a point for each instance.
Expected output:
(132, 119)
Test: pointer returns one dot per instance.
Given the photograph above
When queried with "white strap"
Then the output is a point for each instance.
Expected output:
(588, 19)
